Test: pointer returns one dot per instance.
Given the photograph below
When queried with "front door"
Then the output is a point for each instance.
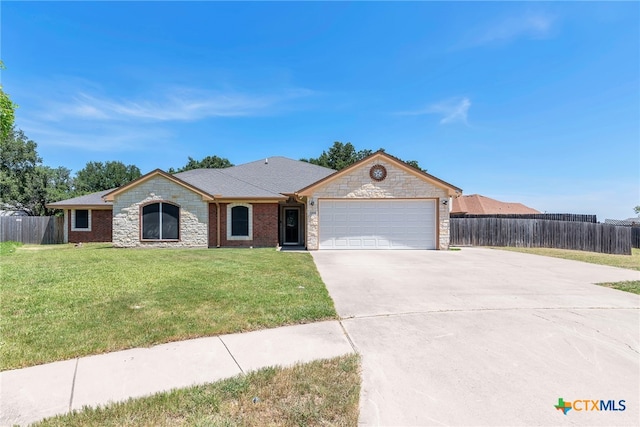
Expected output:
(291, 226)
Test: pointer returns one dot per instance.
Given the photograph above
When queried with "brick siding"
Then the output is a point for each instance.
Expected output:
(265, 226)
(101, 228)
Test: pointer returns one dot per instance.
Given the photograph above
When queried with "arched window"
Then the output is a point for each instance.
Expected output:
(160, 221)
(239, 221)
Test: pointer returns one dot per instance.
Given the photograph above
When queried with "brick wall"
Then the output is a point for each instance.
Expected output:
(101, 228)
(265, 226)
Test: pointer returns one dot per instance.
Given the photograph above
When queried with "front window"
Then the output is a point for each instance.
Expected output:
(239, 221)
(80, 220)
(160, 221)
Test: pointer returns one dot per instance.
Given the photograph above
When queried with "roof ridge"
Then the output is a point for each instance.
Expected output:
(271, 190)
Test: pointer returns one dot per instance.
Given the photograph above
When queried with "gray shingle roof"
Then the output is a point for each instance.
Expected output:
(260, 179)
(86, 200)
(270, 177)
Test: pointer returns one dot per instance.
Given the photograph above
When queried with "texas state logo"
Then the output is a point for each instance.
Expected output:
(590, 405)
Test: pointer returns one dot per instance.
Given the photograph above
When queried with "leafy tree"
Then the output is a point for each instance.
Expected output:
(342, 155)
(98, 176)
(637, 209)
(7, 111)
(339, 156)
(49, 185)
(209, 162)
(18, 162)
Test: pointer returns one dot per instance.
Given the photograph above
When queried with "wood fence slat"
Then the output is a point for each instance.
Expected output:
(543, 233)
(32, 229)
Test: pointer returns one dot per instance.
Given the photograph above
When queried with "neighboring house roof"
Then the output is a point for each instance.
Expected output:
(88, 200)
(476, 204)
(451, 189)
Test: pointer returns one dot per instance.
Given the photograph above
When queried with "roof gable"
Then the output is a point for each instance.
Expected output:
(110, 196)
(451, 189)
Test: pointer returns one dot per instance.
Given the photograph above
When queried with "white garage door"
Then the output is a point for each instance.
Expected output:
(377, 224)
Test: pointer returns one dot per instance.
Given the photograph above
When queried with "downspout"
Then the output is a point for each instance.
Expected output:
(217, 225)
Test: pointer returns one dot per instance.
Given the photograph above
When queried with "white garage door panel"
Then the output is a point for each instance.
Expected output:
(377, 224)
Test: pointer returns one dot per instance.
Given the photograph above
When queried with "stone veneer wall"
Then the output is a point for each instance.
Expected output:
(193, 214)
(397, 184)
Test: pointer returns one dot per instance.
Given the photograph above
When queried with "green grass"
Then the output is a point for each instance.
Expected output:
(623, 261)
(324, 392)
(61, 301)
(7, 248)
(631, 262)
(632, 286)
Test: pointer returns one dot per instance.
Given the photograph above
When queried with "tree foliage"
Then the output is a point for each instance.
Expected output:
(98, 176)
(7, 111)
(340, 156)
(637, 209)
(209, 162)
(18, 162)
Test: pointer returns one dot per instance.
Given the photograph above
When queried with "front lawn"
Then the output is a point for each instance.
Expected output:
(61, 301)
(324, 392)
(631, 262)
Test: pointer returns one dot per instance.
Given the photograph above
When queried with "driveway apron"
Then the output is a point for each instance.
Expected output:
(487, 337)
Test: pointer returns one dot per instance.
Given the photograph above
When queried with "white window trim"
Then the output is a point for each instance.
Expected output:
(73, 220)
(231, 206)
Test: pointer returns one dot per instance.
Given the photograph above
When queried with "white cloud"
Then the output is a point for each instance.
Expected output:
(530, 25)
(175, 105)
(452, 110)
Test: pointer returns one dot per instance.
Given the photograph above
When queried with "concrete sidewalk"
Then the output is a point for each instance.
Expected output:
(30, 394)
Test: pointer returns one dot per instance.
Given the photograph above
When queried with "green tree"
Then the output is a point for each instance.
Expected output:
(637, 209)
(209, 162)
(18, 162)
(340, 156)
(49, 185)
(7, 111)
(98, 176)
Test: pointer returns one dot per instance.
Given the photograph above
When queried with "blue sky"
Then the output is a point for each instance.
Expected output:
(537, 103)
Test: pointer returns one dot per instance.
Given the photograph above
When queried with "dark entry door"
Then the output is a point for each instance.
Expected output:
(291, 226)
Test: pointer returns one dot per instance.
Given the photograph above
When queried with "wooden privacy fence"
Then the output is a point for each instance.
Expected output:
(635, 237)
(551, 216)
(32, 229)
(538, 233)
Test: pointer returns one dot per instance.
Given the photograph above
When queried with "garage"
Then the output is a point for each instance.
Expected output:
(377, 224)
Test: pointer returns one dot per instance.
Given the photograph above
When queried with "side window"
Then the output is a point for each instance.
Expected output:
(81, 220)
(239, 221)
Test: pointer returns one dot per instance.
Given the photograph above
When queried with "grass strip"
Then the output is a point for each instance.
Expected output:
(632, 286)
(631, 262)
(324, 392)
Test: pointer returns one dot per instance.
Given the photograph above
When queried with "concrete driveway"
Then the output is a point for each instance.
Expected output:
(487, 337)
